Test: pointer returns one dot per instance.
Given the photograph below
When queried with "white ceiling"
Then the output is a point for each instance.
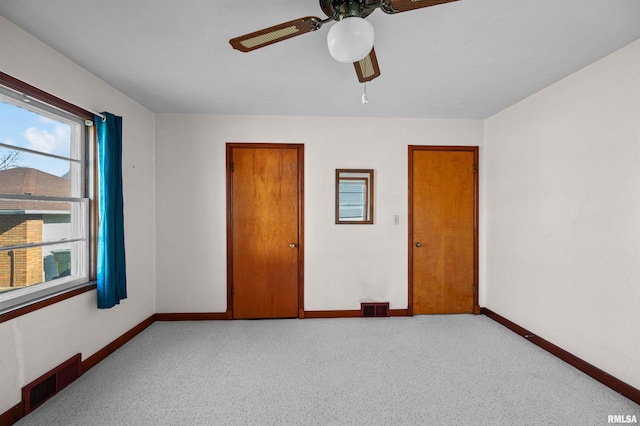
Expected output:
(468, 59)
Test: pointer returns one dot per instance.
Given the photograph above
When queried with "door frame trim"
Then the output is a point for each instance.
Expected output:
(230, 146)
(475, 151)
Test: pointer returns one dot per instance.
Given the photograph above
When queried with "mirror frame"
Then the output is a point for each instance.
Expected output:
(367, 174)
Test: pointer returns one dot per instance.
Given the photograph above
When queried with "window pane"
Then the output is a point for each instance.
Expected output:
(20, 268)
(33, 222)
(35, 131)
(45, 160)
(34, 177)
(27, 267)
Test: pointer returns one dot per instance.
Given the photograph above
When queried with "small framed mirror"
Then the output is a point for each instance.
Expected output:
(354, 196)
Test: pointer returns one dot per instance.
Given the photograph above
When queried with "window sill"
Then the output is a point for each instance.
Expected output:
(43, 303)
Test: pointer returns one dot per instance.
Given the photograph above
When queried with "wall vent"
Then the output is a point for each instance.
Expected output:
(49, 384)
(377, 309)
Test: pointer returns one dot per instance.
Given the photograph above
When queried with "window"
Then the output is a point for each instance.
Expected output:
(44, 200)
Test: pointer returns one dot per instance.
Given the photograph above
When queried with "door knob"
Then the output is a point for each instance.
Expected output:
(292, 245)
(418, 244)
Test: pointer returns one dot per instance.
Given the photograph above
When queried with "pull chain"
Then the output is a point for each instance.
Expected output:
(365, 97)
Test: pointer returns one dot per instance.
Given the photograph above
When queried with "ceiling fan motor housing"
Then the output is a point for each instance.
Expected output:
(339, 9)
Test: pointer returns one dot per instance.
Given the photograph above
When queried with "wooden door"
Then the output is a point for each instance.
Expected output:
(443, 242)
(265, 230)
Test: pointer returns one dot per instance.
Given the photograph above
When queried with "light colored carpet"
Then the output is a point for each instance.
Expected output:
(423, 370)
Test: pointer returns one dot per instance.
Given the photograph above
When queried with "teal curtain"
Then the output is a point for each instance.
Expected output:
(111, 268)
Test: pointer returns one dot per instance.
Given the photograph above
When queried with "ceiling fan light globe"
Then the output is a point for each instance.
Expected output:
(350, 39)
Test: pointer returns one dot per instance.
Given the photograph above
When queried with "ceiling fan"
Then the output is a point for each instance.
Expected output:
(349, 40)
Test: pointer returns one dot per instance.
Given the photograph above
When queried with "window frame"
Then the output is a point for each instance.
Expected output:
(90, 191)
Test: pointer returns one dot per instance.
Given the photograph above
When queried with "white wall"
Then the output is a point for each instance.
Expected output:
(191, 205)
(34, 343)
(563, 213)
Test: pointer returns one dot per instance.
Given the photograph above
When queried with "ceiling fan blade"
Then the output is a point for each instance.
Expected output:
(267, 36)
(406, 5)
(367, 68)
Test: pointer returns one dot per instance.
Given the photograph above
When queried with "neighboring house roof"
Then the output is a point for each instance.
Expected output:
(26, 180)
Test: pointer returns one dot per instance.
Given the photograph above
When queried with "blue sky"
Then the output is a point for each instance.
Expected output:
(23, 128)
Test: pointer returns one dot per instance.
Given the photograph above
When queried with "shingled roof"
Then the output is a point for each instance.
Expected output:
(29, 181)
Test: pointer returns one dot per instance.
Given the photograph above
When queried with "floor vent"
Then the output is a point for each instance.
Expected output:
(379, 309)
(49, 384)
